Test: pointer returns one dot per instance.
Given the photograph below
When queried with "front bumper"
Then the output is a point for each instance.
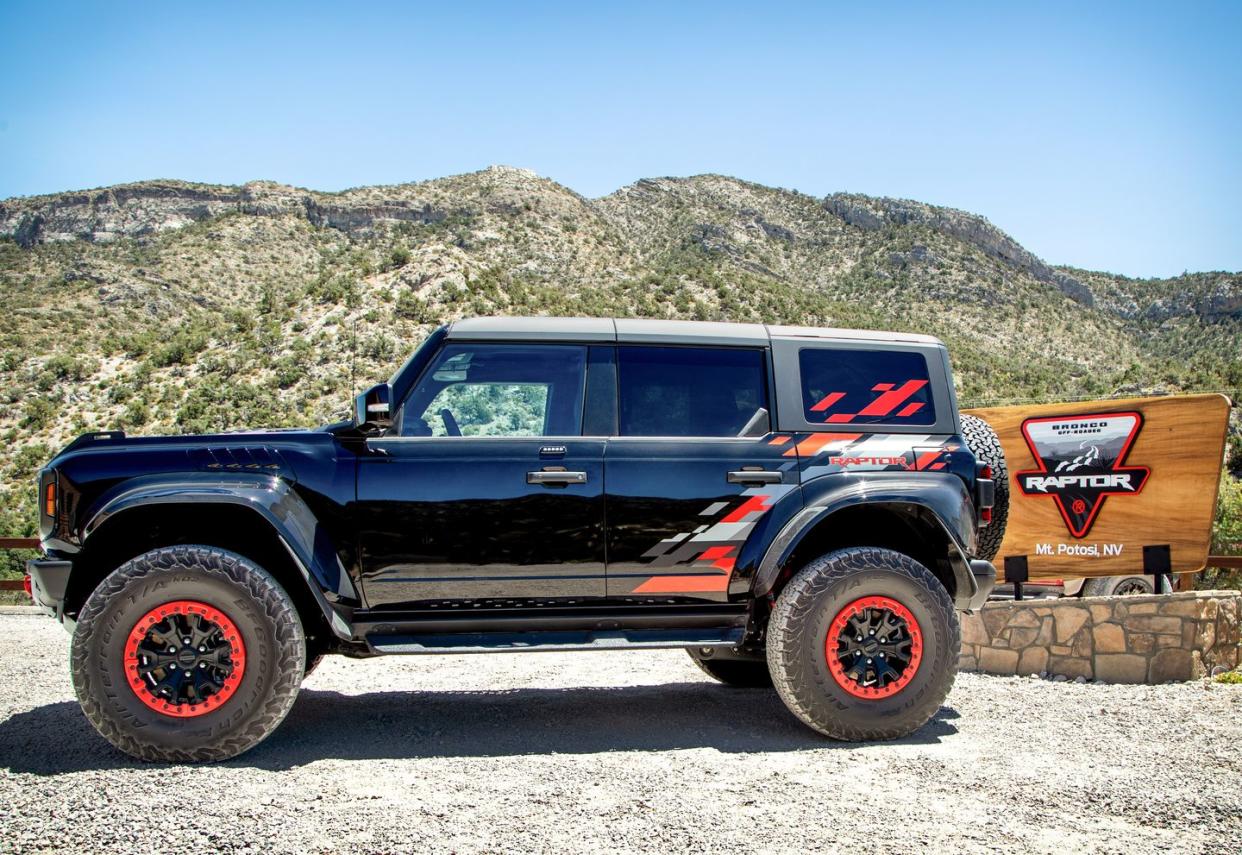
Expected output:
(985, 580)
(48, 580)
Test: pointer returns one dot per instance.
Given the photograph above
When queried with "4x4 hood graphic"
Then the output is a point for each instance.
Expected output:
(1081, 463)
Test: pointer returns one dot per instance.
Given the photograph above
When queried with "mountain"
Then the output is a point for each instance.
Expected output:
(170, 306)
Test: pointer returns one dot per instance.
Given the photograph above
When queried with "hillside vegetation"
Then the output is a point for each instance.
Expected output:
(174, 307)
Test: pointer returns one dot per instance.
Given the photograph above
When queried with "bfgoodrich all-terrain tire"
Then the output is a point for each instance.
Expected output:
(187, 653)
(863, 644)
(985, 445)
(743, 673)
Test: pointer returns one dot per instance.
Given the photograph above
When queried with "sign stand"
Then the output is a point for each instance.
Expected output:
(1016, 572)
(1158, 562)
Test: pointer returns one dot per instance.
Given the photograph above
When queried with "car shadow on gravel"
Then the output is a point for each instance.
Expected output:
(56, 738)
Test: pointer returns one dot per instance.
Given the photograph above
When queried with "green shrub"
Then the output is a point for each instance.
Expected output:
(64, 367)
(334, 290)
(28, 459)
(18, 518)
(136, 414)
(1226, 536)
(398, 258)
(38, 414)
(180, 349)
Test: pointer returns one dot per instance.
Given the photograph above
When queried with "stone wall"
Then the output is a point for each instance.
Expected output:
(1143, 639)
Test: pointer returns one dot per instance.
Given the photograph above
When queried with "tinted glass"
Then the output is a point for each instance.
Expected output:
(689, 391)
(499, 390)
(866, 387)
(599, 417)
(489, 409)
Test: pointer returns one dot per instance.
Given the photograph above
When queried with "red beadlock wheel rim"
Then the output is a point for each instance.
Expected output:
(874, 647)
(184, 659)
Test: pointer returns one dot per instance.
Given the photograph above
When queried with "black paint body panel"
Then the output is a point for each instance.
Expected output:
(454, 518)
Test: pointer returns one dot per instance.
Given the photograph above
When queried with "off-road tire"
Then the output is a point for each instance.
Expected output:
(1108, 586)
(798, 631)
(275, 650)
(985, 445)
(742, 673)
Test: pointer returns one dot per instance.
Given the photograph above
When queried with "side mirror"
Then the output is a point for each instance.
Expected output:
(372, 409)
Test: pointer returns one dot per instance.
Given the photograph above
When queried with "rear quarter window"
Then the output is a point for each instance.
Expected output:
(852, 386)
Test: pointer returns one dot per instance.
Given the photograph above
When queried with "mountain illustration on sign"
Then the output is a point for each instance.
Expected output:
(1081, 463)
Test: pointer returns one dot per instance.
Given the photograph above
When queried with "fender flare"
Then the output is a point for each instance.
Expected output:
(271, 498)
(940, 497)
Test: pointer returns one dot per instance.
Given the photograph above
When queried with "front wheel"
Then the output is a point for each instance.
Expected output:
(863, 643)
(187, 653)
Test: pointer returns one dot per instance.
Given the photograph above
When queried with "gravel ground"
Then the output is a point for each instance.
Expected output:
(623, 752)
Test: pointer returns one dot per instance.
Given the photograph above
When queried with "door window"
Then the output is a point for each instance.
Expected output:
(692, 391)
(499, 390)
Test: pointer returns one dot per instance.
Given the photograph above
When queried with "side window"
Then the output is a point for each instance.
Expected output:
(842, 386)
(490, 409)
(499, 390)
(691, 391)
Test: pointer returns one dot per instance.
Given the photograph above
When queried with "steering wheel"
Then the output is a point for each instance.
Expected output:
(450, 423)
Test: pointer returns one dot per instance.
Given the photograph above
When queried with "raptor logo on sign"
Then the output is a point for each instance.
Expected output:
(1081, 463)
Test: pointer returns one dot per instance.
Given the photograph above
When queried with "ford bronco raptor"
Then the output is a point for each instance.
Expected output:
(796, 507)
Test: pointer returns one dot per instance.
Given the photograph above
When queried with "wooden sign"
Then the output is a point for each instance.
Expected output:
(1093, 482)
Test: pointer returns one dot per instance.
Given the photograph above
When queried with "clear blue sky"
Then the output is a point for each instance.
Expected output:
(1108, 137)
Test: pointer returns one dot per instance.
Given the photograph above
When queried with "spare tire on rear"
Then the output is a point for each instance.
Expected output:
(985, 445)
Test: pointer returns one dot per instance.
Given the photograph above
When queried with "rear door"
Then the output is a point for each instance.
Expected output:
(693, 472)
(486, 490)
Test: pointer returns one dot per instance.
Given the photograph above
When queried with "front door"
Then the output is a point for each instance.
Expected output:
(693, 472)
(485, 490)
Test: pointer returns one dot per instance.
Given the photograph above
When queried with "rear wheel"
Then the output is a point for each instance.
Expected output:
(187, 653)
(1118, 586)
(863, 644)
(743, 673)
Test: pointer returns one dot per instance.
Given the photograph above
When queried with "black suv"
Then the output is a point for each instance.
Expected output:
(793, 506)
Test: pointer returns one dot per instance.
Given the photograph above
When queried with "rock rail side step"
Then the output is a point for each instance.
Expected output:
(536, 642)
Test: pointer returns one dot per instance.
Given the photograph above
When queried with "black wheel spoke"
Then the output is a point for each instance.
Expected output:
(884, 672)
(859, 624)
(198, 633)
(217, 658)
(165, 636)
(151, 667)
(156, 657)
(165, 686)
(858, 671)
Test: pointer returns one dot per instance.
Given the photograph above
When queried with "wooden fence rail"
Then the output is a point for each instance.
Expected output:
(16, 543)
(19, 543)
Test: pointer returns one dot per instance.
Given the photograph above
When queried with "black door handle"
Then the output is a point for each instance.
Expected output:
(555, 477)
(755, 476)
